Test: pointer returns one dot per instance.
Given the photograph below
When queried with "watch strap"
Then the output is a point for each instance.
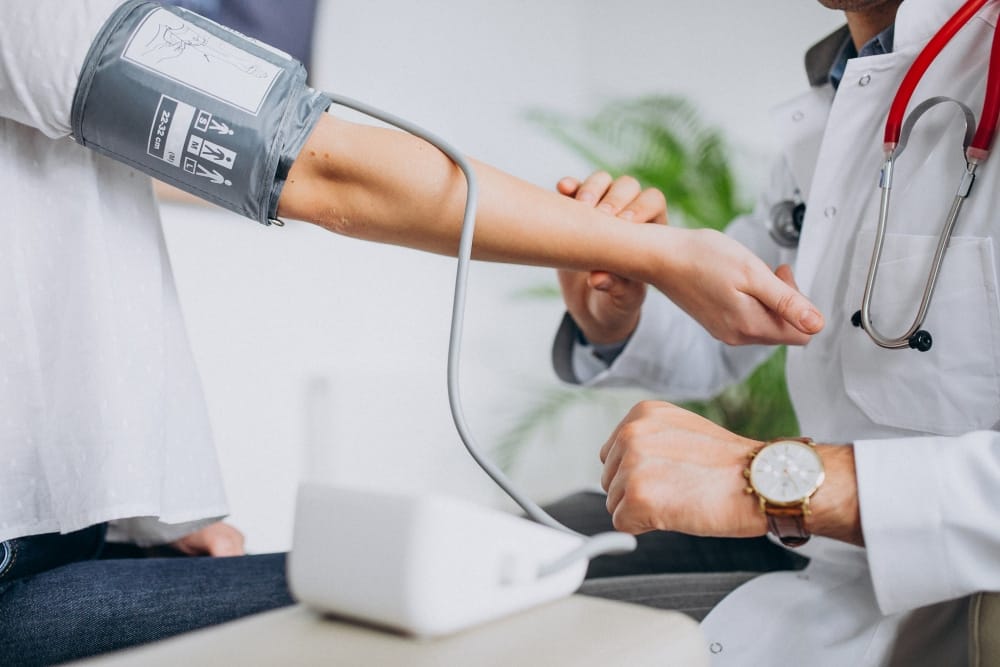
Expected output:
(790, 528)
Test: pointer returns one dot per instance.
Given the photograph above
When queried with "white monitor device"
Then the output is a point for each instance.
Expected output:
(428, 565)
(421, 565)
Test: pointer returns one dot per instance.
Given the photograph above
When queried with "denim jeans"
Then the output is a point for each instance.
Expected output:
(61, 599)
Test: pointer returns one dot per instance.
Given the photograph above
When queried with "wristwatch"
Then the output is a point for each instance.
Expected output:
(784, 474)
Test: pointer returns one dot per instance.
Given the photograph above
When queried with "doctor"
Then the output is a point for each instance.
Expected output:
(905, 525)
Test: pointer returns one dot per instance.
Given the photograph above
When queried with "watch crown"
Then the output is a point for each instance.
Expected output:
(749, 490)
(746, 473)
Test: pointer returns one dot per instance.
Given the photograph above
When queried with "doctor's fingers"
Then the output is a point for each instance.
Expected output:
(785, 301)
(622, 294)
(609, 445)
(616, 492)
(621, 462)
(650, 205)
(760, 325)
(568, 186)
(648, 431)
(639, 499)
(617, 195)
(623, 197)
(593, 188)
(629, 427)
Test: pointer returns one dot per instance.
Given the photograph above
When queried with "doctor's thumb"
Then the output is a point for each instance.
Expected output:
(787, 302)
(784, 272)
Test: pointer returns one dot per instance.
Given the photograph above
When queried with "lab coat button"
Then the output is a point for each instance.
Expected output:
(865, 80)
(797, 116)
(715, 647)
(829, 212)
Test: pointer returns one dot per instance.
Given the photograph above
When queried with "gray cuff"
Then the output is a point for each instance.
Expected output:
(208, 111)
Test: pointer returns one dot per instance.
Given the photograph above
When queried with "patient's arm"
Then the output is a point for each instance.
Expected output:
(383, 185)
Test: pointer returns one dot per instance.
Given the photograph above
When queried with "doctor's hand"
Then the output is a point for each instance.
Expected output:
(716, 280)
(666, 468)
(606, 306)
(216, 539)
(735, 295)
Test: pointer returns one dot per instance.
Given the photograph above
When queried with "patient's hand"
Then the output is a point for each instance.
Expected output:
(216, 539)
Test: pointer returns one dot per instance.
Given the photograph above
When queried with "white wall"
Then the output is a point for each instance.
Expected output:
(325, 357)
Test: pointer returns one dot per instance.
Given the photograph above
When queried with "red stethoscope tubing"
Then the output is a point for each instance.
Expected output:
(980, 146)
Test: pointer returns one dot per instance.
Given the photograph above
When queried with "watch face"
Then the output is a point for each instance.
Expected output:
(786, 472)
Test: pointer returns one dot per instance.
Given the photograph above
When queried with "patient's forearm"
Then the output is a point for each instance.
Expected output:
(383, 185)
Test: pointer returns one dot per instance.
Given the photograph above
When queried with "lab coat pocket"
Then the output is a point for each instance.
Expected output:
(952, 388)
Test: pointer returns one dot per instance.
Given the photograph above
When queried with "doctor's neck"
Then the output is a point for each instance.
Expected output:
(865, 18)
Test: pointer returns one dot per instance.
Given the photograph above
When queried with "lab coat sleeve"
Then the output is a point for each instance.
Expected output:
(930, 517)
(670, 353)
(43, 44)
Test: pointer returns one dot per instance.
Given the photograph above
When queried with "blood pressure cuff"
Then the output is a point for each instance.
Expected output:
(196, 105)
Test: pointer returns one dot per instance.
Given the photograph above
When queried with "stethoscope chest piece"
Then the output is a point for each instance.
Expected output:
(786, 222)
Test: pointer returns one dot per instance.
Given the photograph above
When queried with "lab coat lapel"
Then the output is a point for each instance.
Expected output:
(918, 20)
(800, 124)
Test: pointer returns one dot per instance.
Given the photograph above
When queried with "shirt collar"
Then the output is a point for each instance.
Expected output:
(827, 59)
(876, 46)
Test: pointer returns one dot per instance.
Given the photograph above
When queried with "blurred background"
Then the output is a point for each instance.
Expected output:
(324, 357)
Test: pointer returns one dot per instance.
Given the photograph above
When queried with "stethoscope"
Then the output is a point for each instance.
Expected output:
(976, 146)
(786, 216)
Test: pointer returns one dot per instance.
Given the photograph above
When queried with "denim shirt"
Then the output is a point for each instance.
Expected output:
(876, 46)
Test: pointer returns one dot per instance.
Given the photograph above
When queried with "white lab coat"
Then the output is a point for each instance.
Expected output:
(923, 424)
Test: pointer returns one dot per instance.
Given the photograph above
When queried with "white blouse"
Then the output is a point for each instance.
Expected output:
(103, 416)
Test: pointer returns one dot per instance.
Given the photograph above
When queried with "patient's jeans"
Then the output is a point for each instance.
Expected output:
(61, 598)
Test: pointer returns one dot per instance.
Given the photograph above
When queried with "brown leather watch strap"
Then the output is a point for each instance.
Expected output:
(788, 525)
